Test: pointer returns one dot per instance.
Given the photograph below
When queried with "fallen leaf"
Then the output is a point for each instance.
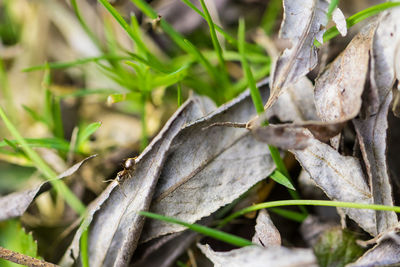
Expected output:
(256, 256)
(339, 88)
(15, 204)
(296, 103)
(294, 136)
(341, 178)
(371, 134)
(266, 234)
(385, 253)
(303, 22)
(208, 167)
(340, 21)
(115, 225)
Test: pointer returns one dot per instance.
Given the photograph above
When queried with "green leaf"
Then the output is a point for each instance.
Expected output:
(290, 214)
(55, 143)
(336, 248)
(14, 237)
(278, 177)
(85, 133)
(228, 238)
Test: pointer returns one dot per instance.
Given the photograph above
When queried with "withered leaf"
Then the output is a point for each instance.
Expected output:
(371, 133)
(115, 225)
(256, 256)
(385, 253)
(303, 22)
(341, 178)
(266, 234)
(15, 204)
(294, 136)
(339, 88)
(208, 168)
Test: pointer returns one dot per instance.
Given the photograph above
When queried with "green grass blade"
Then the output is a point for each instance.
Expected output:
(169, 79)
(326, 203)
(278, 177)
(255, 93)
(290, 214)
(123, 24)
(216, 234)
(269, 18)
(85, 27)
(84, 249)
(356, 18)
(179, 94)
(331, 8)
(241, 85)
(59, 186)
(85, 133)
(214, 39)
(63, 65)
(54, 143)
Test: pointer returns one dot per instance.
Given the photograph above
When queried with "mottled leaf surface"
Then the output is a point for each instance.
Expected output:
(341, 178)
(256, 256)
(339, 88)
(303, 22)
(15, 204)
(208, 168)
(266, 234)
(114, 223)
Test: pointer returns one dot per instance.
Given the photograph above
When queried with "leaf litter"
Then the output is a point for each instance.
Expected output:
(189, 171)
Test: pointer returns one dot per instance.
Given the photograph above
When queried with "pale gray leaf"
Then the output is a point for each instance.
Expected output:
(208, 168)
(385, 253)
(339, 88)
(15, 204)
(371, 134)
(340, 21)
(341, 178)
(256, 256)
(115, 225)
(266, 233)
(303, 22)
(294, 136)
(296, 103)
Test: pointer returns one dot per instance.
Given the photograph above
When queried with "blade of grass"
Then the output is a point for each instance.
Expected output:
(216, 234)
(326, 203)
(59, 186)
(216, 45)
(123, 24)
(86, 132)
(356, 18)
(63, 65)
(85, 27)
(259, 106)
(289, 214)
(54, 143)
(278, 177)
(331, 8)
(269, 18)
(179, 94)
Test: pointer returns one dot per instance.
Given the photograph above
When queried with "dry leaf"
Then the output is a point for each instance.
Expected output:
(341, 178)
(371, 133)
(15, 204)
(208, 167)
(296, 103)
(385, 253)
(294, 136)
(339, 88)
(303, 22)
(266, 233)
(256, 256)
(115, 225)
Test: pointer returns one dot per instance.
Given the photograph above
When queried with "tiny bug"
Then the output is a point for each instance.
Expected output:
(129, 166)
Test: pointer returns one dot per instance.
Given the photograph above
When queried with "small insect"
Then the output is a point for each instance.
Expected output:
(129, 166)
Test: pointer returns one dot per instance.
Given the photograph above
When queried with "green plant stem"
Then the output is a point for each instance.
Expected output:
(58, 185)
(179, 93)
(228, 238)
(143, 141)
(258, 104)
(356, 18)
(328, 203)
